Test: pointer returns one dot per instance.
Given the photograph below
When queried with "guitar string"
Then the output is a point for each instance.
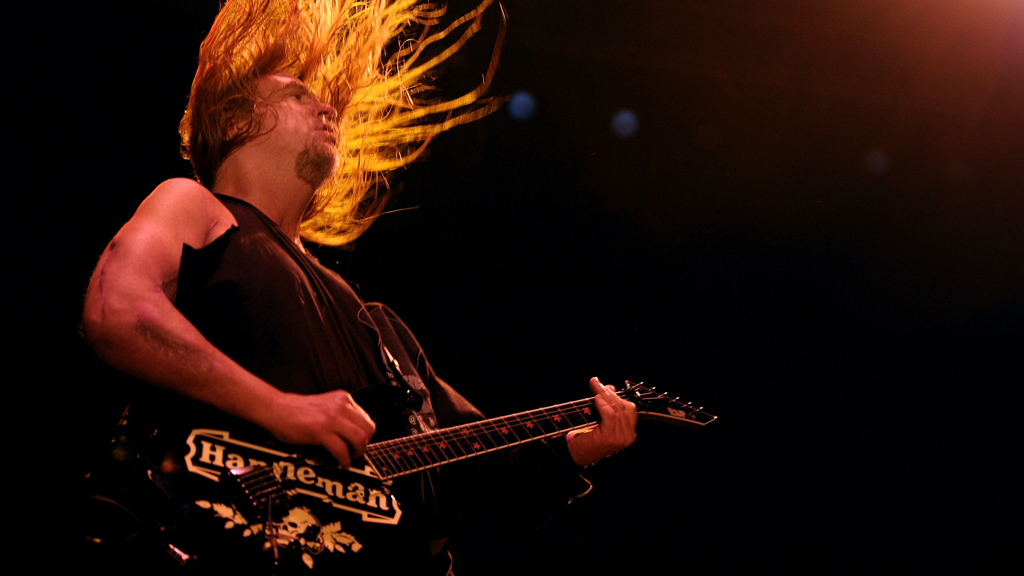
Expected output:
(479, 430)
(432, 449)
(427, 450)
(496, 424)
(414, 453)
(490, 429)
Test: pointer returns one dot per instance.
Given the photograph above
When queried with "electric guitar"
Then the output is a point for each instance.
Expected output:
(307, 511)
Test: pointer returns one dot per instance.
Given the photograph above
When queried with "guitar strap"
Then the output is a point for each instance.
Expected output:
(396, 341)
(398, 349)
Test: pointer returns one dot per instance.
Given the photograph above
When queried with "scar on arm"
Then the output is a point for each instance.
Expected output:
(101, 268)
(191, 360)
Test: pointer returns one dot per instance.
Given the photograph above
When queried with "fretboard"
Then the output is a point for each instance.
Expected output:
(401, 456)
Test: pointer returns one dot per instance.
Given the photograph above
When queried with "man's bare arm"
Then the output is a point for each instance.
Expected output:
(131, 322)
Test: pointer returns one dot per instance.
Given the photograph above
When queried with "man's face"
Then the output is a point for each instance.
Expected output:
(301, 127)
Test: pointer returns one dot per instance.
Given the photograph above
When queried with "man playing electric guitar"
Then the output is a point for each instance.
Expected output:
(207, 294)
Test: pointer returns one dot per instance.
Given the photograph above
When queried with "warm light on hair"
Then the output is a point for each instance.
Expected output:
(359, 56)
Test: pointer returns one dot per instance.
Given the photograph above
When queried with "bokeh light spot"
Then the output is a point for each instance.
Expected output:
(625, 123)
(522, 106)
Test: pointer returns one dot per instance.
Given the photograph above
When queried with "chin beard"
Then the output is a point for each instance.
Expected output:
(314, 166)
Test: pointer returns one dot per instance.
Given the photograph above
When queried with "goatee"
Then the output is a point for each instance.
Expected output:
(314, 166)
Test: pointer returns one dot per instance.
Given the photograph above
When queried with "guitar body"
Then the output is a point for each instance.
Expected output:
(295, 509)
(223, 495)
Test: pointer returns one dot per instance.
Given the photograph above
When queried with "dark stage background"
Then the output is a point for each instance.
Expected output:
(816, 232)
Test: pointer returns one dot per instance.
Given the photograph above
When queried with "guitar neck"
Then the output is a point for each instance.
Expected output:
(401, 456)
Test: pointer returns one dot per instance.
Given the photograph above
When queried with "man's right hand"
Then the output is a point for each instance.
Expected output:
(332, 420)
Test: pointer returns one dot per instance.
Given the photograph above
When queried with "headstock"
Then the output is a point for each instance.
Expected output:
(654, 405)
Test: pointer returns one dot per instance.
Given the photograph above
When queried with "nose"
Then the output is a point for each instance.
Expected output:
(327, 112)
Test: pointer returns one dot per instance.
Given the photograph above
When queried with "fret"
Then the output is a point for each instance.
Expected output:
(564, 418)
(538, 424)
(524, 427)
(462, 438)
(412, 449)
(581, 414)
(485, 439)
(440, 446)
(448, 449)
(382, 461)
(507, 430)
(387, 462)
(406, 458)
(425, 447)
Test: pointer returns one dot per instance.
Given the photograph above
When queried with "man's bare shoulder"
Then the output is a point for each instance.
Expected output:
(179, 194)
(187, 208)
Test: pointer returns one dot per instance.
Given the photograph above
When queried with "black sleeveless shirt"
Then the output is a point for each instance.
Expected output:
(268, 305)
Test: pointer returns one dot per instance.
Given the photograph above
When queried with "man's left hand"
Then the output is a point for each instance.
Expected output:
(616, 431)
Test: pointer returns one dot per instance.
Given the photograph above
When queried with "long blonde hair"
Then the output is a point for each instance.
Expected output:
(366, 58)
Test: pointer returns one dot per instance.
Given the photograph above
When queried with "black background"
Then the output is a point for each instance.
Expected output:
(817, 233)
